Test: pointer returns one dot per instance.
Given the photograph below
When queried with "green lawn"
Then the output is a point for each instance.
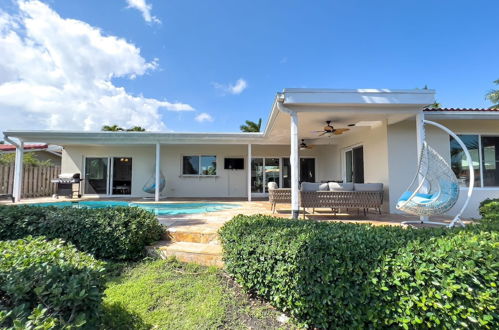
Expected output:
(171, 295)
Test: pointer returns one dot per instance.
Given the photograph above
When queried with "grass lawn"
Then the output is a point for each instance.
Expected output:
(164, 294)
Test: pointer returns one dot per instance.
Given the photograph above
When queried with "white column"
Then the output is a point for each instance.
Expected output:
(249, 172)
(158, 172)
(420, 138)
(18, 172)
(295, 166)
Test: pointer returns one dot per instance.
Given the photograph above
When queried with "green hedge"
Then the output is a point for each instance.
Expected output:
(48, 284)
(489, 209)
(337, 275)
(111, 233)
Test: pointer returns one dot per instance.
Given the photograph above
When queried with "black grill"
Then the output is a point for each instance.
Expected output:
(68, 185)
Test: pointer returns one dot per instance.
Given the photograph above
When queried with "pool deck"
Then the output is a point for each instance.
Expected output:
(194, 237)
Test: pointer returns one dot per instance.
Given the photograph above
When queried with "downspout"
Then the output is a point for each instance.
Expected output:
(294, 158)
(18, 167)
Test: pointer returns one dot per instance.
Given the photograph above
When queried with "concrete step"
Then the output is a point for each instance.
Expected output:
(193, 234)
(198, 253)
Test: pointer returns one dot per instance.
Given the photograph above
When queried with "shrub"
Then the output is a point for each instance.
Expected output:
(489, 208)
(48, 284)
(351, 276)
(111, 233)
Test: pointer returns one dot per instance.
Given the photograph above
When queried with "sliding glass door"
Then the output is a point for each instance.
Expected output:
(354, 165)
(96, 175)
(278, 170)
(108, 176)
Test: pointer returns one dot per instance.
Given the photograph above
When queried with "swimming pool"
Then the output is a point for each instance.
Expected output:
(156, 208)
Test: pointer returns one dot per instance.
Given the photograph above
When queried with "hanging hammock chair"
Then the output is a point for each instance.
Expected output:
(435, 188)
(150, 186)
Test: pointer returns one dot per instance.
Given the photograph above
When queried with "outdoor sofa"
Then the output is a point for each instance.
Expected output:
(331, 195)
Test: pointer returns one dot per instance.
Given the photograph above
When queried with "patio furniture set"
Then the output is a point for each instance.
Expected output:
(332, 195)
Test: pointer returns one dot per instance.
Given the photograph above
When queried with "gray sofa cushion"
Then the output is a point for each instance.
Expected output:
(272, 185)
(368, 187)
(334, 186)
(314, 186)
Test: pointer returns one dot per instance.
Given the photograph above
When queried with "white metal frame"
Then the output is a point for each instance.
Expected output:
(457, 218)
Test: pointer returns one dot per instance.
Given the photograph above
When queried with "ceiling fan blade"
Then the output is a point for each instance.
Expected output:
(323, 133)
(341, 131)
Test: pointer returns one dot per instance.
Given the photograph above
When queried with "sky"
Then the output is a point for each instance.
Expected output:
(209, 65)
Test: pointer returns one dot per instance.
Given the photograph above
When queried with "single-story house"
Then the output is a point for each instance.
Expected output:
(362, 135)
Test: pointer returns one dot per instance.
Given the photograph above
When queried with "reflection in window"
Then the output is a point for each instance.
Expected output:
(208, 165)
(490, 156)
(459, 162)
(190, 165)
(199, 165)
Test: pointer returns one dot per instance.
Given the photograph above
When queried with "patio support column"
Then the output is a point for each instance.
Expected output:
(294, 156)
(18, 171)
(420, 138)
(157, 176)
(249, 172)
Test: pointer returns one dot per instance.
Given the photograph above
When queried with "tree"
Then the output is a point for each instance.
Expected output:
(435, 105)
(251, 126)
(113, 128)
(136, 129)
(116, 128)
(493, 96)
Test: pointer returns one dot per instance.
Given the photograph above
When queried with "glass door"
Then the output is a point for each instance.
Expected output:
(272, 172)
(122, 176)
(257, 175)
(96, 174)
(307, 171)
(354, 165)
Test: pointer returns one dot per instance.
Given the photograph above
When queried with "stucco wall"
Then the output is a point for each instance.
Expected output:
(227, 183)
(403, 157)
(374, 142)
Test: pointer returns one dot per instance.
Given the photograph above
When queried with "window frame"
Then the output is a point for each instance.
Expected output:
(480, 155)
(200, 156)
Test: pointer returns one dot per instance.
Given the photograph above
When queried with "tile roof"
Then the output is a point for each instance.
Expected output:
(10, 147)
(461, 109)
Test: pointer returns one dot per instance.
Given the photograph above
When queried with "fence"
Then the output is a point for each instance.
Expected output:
(36, 180)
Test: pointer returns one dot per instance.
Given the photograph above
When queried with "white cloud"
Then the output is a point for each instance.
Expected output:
(237, 88)
(57, 73)
(202, 117)
(144, 8)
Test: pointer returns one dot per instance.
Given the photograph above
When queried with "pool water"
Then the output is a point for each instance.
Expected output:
(156, 208)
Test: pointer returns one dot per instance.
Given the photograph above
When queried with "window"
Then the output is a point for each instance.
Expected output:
(484, 151)
(199, 165)
(490, 156)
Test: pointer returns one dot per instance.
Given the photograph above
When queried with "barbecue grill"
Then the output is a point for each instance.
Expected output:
(68, 185)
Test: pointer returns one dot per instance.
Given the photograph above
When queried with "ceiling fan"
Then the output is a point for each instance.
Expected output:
(329, 129)
(304, 146)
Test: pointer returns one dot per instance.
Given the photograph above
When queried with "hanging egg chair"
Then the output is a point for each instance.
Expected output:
(150, 186)
(435, 188)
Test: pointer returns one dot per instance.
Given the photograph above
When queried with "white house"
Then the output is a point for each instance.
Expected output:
(380, 145)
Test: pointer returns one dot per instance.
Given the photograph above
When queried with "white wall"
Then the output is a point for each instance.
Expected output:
(374, 142)
(227, 183)
(403, 157)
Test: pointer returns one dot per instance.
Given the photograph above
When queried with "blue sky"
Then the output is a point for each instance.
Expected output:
(449, 45)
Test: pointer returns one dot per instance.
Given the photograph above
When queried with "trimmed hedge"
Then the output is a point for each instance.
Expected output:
(119, 233)
(489, 209)
(48, 284)
(338, 275)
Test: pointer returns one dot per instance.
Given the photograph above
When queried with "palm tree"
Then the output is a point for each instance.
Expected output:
(493, 96)
(251, 126)
(136, 129)
(435, 105)
(113, 128)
